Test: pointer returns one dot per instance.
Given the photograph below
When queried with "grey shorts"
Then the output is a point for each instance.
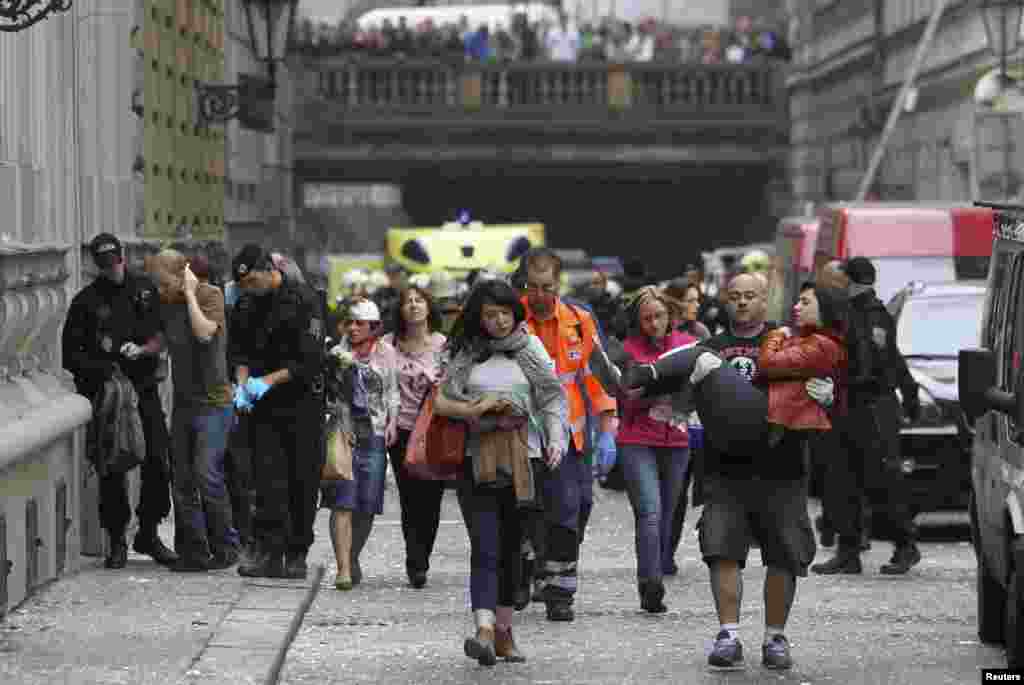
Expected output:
(772, 512)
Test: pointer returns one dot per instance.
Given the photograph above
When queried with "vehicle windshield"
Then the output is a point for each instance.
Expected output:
(939, 326)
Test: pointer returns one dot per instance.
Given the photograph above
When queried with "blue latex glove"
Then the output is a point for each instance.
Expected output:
(256, 388)
(242, 402)
(231, 294)
(605, 454)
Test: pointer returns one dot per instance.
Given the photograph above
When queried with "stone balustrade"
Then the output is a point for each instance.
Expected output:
(513, 88)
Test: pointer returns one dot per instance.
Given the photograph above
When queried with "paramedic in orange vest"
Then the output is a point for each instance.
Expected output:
(570, 336)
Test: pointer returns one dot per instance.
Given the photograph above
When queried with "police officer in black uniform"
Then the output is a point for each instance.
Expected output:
(115, 321)
(864, 441)
(276, 341)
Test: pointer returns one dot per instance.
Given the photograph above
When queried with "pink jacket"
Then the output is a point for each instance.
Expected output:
(649, 421)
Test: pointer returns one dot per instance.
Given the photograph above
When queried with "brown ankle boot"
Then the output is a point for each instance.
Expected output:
(481, 647)
(505, 646)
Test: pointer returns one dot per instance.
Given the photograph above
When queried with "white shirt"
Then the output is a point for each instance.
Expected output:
(563, 46)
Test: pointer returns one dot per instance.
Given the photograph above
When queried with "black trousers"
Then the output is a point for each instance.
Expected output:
(421, 508)
(858, 474)
(287, 455)
(238, 471)
(155, 494)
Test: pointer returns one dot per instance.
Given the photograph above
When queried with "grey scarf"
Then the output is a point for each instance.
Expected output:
(544, 384)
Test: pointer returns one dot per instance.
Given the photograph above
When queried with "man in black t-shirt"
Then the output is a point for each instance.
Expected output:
(757, 496)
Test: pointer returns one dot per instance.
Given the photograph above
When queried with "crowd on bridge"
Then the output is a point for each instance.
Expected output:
(512, 392)
(608, 40)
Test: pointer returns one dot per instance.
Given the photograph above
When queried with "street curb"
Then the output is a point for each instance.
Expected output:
(293, 629)
(230, 657)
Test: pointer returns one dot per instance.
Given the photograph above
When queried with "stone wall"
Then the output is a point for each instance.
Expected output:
(848, 72)
(66, 151)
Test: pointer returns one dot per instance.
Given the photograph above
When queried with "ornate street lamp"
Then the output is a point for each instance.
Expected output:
(270, 24)
(16, 15)
(1002, 28)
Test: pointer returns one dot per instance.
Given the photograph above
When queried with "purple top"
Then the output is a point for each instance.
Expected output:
(416, 375)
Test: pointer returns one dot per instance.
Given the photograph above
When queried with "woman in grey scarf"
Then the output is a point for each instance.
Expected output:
(502, 382)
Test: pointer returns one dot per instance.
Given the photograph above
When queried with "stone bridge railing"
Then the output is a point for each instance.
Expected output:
(374, 92)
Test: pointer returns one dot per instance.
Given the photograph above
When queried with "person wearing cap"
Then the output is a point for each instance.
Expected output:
(203, 415)
(860, 447)
(276, 347)
(115, 323)
(365, 395)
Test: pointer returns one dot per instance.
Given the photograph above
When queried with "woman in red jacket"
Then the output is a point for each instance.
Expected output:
(789, 359)
(653, 446)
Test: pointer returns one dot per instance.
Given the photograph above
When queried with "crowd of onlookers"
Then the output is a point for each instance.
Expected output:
(609, 40)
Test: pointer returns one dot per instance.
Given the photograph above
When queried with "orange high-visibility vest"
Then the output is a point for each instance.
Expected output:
(569, 337)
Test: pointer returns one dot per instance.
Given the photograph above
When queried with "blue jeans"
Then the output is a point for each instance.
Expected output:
(495, 531)
(199, 440)
(654, 478)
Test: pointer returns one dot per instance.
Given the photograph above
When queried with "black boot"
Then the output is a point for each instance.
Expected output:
(118, 555)
(652, 592)
(904, 557)
(295, 566)
(525, 589)
(846, 560)
(262, 564)
(149, 543)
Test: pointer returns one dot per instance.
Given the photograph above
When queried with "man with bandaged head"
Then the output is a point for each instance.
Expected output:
(276, 344)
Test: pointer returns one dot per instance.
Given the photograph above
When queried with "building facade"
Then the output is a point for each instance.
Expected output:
(67, 145)
(851, 60)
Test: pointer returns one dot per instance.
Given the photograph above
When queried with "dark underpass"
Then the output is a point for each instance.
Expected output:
(664, 221)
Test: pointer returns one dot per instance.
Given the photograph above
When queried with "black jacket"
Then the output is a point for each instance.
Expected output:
(280, 330)
(102, 317)
(876, 365)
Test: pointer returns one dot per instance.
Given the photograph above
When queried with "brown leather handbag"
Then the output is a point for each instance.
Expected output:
(437, 445)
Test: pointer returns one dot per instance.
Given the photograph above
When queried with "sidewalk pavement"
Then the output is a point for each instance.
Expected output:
(146, 625)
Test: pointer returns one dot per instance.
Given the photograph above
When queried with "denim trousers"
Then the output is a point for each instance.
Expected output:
(654, 479)
(200, 440)
(495, 532)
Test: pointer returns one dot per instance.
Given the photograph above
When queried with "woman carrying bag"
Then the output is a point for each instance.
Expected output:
(502, 382)
(366, 403)
(418, 349)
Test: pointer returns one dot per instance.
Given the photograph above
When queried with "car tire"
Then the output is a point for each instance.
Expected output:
(992, 615)
(1015, 609)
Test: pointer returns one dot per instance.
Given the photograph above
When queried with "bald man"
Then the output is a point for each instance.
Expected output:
(751, 496)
